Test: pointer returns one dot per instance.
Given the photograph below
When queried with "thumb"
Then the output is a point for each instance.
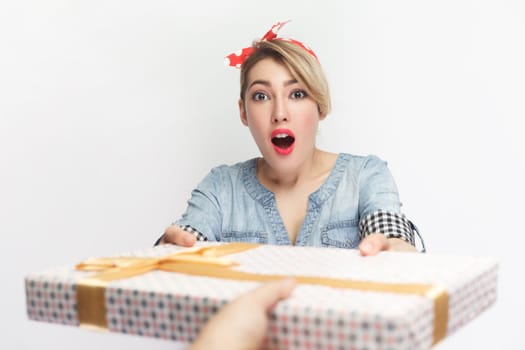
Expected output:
(373, 244)
(269, 294)
(175, 234)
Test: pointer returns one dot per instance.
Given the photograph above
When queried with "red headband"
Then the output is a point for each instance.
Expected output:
(237, 58)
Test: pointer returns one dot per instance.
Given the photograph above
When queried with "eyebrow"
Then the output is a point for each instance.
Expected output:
(267, 83)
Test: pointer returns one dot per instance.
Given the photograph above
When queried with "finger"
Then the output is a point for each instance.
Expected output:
(373, 244)
(176, 235)
(269, 294)
(399, 245)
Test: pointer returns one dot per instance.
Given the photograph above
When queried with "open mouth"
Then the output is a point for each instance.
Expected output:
(283, 141)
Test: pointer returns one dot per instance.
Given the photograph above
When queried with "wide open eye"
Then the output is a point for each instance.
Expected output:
(298, 94)
(259, 96)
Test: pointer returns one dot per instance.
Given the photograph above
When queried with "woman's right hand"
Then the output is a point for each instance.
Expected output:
(176, 235)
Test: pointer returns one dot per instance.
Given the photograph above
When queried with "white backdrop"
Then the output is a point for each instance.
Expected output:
(111, 111)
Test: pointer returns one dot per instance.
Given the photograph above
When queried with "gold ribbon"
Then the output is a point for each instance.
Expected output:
(208, 262)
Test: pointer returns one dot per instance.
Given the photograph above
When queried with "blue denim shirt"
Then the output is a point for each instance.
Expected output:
(230, 204)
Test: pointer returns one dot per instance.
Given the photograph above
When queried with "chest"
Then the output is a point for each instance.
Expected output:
(292, 208)
(325, 216)
(292, 204)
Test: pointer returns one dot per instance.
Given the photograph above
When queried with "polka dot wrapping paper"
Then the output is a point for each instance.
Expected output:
(175, 306)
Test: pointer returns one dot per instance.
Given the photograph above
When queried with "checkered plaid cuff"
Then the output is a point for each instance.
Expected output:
(392, 225)
(195, 232)
(188, 228)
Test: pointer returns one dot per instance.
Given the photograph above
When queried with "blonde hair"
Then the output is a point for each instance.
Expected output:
(302, 65)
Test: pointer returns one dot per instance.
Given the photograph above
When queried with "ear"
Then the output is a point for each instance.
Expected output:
(242, 112)
(321, 115)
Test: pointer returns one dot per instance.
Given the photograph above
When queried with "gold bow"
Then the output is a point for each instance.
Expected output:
(208, 261)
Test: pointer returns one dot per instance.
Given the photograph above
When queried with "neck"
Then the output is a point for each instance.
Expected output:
(309, 169)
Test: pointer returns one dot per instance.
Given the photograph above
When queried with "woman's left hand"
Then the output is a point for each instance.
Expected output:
(377, 242)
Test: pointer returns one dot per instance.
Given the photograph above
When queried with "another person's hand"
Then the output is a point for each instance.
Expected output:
(377, 242)
(176, 235)
(243, 323)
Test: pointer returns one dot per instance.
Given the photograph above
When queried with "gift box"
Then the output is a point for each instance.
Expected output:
(342, 300)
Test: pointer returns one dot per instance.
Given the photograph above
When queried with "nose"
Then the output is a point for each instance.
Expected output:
(279, 112)
(278, 118)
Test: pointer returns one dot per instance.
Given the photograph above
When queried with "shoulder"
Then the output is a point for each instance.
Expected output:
(358, 163)
(362, 170)
(233, 169)
(225, 173)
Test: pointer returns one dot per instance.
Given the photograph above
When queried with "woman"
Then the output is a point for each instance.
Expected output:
(295, 193)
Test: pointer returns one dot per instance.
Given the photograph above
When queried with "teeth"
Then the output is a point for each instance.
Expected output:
(281, 135)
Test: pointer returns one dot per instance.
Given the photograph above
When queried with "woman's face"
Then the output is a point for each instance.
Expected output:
(280, 114)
